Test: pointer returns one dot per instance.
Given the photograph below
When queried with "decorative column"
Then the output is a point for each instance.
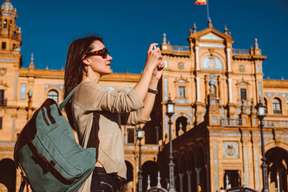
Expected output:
(197, 169)
(181, 181)
(207, 177)
(228, 58)
(29, 105)
(197, 58)
(198, 99)
(230, 96)
(189, 180)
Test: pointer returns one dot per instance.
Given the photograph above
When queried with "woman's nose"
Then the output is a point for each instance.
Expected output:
(109, 57)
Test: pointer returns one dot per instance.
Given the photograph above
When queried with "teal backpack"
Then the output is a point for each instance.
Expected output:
(46, 151)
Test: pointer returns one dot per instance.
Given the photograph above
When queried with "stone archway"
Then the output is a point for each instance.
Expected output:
(149, 168)
(8, 174)
(191, 169)
(277, 161)
(129, 176)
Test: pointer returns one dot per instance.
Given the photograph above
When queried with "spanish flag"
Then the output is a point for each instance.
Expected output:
(200, 2)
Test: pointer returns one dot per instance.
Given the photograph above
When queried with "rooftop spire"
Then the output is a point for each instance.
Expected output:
(256, 45)
(164, 39)
(194, 28)
(31, 64)
(7, 5)
(226, 30)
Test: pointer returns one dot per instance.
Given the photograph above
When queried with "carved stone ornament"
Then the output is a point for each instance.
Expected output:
(181, 65)
(3, 71)
(231, 150)
(3, 83)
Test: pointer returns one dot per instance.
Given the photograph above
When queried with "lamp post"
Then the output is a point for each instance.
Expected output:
(140, 135)
(170, 110)
(261, 115)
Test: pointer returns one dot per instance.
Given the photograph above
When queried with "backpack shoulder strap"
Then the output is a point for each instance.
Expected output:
(93, 140)
(68, 97)
(24, 182)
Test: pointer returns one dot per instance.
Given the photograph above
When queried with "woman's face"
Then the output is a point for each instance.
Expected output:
(99, 59)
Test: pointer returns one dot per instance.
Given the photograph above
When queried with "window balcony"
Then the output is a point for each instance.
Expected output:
(231, 122)
(277, 112)
(275, 124)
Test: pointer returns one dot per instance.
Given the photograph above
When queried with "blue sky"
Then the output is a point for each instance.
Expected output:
(128, 27)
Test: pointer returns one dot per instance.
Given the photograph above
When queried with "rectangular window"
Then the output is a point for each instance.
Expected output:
(2, 99)
(181, 91)
(243, 94)
(131, 135)
(23, 91)
(4, 45)
(1, 122)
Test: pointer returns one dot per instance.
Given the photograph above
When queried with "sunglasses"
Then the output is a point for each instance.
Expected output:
(102, 52)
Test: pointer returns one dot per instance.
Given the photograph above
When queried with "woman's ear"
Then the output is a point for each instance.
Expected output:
(86, 61)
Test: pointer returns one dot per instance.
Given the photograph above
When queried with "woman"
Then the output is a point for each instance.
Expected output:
(97, 113)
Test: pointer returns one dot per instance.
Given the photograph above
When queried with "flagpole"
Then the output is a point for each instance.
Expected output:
(208, 13)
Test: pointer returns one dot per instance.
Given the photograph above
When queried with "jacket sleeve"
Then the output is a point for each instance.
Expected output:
(133, 118)
(91, 97)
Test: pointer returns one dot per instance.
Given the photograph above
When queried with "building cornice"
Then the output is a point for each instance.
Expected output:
(269, 83)
(59, 74)
(176, 53)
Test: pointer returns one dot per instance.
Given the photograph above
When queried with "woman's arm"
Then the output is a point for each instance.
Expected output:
(150, 97)
(153, 60)
(143, 115)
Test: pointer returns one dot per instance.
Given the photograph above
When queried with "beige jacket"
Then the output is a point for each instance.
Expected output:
(113, 106)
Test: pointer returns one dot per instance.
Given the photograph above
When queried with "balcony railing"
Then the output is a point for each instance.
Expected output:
(267, 123)
(275, 124)
(241, 51)
(230, 122)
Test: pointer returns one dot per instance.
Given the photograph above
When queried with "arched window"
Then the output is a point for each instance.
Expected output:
(181, 125)
(53, 94)
(276, 104)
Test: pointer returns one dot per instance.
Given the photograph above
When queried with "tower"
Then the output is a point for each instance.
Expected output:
(10, 33)
(10, 62)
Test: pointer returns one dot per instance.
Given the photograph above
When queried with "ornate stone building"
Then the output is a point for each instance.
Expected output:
(216, 136)
(216, 89)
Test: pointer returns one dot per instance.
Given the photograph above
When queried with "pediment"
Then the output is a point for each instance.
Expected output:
(242, 83)
(211, 36)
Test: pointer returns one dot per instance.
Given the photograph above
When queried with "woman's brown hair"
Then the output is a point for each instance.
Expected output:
(74, 68)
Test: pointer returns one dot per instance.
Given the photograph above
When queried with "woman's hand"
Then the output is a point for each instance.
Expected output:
(154, 56)
(158, 71)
